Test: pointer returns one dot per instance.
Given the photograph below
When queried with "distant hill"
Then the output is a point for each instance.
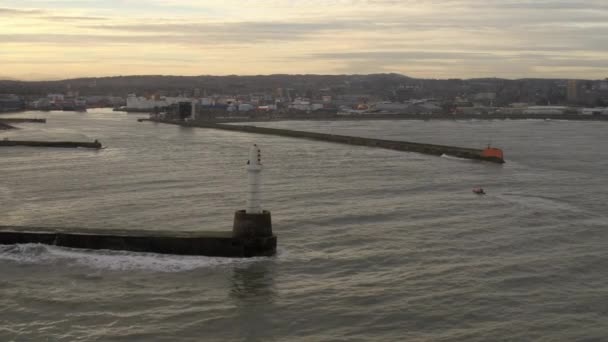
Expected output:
(393, 87)
(122, 85)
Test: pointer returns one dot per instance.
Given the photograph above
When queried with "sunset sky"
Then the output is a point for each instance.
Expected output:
(48, 39)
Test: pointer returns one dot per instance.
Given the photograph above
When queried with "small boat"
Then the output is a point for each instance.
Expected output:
(479, 191)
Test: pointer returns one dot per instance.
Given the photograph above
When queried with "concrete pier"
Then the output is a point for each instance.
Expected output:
(221, 244)
(63, 144)
(21, 120)
(438, 150)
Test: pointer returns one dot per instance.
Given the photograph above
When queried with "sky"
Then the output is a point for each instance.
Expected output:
(59, 39)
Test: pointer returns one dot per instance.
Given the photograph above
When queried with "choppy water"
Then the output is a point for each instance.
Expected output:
(375, 245)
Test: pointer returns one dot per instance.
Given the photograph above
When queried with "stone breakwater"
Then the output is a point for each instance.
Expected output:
(63, 144)
(5, 122)
(21, 120)
(438, 150)
(222, 244)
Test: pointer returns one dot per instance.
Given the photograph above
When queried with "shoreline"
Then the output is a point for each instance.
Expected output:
(375, 117)
(385, 117)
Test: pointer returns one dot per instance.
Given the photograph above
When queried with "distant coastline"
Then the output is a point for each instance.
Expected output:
(384, 117)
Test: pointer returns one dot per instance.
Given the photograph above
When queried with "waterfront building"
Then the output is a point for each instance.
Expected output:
(302, 104)
(572, 94)
(207, 101)
(56, 99)
(594, 111)
(257, 98)
(305, 105)
(41, 104)
(143, 103)
(484, 99)
(267, 108)
(246, 107)
(418, 106)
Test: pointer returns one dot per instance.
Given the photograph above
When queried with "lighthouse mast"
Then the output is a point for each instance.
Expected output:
(254, 170)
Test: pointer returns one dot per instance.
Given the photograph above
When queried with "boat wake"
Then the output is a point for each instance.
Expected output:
(539, 202)
(39, 254)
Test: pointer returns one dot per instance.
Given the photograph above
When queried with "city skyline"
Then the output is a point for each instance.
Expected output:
(44, 39)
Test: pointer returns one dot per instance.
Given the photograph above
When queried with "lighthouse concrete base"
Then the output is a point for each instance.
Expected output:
(252, 225)
(256, 232)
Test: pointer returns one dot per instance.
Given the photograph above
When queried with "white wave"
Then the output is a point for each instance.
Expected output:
(113, 260)
(453, 158)
(539, 202)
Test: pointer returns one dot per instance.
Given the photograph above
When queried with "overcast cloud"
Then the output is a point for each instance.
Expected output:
(432, 38)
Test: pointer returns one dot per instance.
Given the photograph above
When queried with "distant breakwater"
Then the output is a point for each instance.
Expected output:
(425, 117)
(62, 144)
(21, 120)
(5, 122)
(438, 150)
(382, 117)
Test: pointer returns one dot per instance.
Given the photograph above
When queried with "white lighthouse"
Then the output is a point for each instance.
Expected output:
(254, 170)
(254, 225)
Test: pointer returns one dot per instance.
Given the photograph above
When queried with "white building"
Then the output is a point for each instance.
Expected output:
(422, 106)
(594, 111)
(305, 105)
(267, 108)
(207, 101)
(300, 104)
(143, 103)
(55, 98)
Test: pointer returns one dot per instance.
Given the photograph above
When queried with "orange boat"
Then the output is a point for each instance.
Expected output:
(493, 153)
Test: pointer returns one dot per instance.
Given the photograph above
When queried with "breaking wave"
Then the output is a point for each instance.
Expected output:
(454, 158)
(112, 260)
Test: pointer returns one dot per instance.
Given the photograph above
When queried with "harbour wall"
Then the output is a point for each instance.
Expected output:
(569, 117)
(21, 120)
(63, 144)
(268, 117)
(220, 244)
(438, 150)
(5, 122)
